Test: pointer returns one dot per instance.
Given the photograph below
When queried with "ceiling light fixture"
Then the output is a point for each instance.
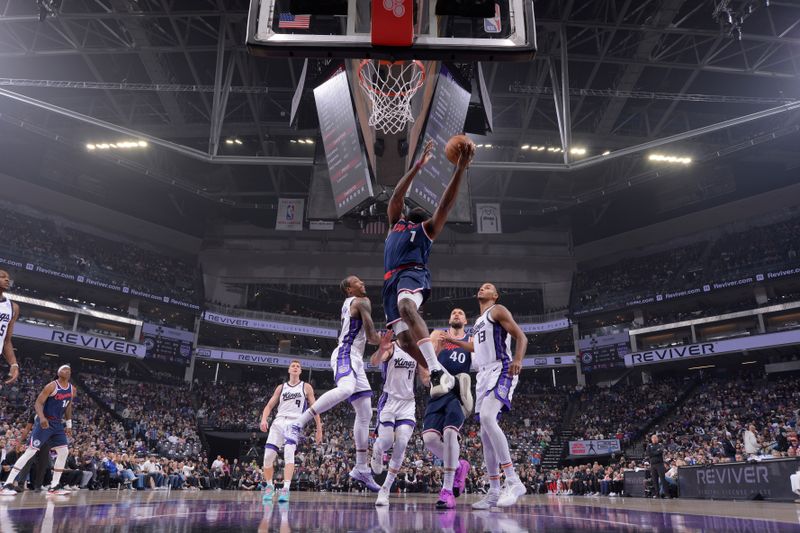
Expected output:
(661, 158)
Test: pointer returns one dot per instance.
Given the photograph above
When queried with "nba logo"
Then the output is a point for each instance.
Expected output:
(493, 25)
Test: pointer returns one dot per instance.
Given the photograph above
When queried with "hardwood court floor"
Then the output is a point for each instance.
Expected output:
(245, 511)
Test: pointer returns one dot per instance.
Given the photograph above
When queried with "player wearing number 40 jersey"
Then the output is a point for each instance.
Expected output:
(292, 398)
(406, 280)
(445, 415)
(498, 374)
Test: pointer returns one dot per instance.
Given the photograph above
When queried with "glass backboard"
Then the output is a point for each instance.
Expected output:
(509, 35)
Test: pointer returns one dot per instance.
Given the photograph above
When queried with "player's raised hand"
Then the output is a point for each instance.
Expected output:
(13, 375)
(467, 153)
(386, 341)
(427, 153)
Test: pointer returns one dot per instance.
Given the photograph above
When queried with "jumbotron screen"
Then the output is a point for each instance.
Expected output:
(344, 152)
(446, 118)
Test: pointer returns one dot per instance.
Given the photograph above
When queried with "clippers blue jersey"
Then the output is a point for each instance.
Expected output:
(454, 359)
(406, 244)
(56, 404)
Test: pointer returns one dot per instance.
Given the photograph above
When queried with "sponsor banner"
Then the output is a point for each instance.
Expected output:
(633, 483)
(88, 280)
(254, 358)
(488, 217)
(594, 447)
(167, 343)
(711, 286)
(290, 214)
(320, 225)
(553, 325)
(548, 361)
(266, 325)
(766, 480)
(79, 340)
(707, 349)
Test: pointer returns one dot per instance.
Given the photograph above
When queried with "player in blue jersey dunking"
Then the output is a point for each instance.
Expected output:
(52, 424)
(445, 415)
(407, 281)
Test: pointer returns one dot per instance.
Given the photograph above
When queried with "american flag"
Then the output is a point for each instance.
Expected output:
(289, 21)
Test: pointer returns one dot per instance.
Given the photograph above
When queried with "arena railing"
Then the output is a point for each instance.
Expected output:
(335, 324)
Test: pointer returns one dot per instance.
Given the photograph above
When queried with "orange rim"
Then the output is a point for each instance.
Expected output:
(391, 94)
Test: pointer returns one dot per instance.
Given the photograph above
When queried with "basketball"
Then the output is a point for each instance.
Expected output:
(454, 147)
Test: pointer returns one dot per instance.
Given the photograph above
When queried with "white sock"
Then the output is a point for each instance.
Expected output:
(363, 408)
(391, 475)
(450, 458)
(426, 347)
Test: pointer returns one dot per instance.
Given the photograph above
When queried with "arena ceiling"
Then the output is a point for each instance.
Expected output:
(177, 70)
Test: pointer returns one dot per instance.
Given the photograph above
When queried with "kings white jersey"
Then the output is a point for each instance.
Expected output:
(6, 314)
(398, 375)
(293, 401)
(352, 338)
(492, 342)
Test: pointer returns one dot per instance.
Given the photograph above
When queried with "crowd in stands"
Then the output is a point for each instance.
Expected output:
(728, 257)
(144, 434)
(624, 410)
(57, 245)
(712, 425)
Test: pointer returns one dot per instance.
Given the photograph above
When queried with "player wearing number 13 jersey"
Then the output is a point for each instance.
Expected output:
(292, 398)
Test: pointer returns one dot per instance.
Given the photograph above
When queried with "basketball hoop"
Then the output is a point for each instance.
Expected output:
(390, 86)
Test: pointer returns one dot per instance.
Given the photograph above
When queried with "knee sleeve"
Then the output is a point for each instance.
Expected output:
(288, 453)
(269, 457)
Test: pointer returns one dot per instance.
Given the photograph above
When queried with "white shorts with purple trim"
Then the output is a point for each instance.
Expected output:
(394, 412)
(494, 379)
(277, 432)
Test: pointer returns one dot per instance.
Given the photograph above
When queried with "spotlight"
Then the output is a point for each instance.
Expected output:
(661, 158)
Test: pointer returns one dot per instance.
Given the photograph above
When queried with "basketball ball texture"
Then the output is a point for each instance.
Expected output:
(454, 147)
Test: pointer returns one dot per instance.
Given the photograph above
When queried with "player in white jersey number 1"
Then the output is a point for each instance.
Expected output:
(498, 374)
(9, 312)
(292, 398)
(396, 411)
(347, 362)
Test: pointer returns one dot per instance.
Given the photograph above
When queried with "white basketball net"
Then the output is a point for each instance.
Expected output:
(390, 88)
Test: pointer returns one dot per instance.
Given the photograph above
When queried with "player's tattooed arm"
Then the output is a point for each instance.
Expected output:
(502, 316)
(276, 396)
(395, 208)
(364, 308)
(8, 347)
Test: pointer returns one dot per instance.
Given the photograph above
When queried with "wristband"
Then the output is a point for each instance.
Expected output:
(15, 365)
(68, 424)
